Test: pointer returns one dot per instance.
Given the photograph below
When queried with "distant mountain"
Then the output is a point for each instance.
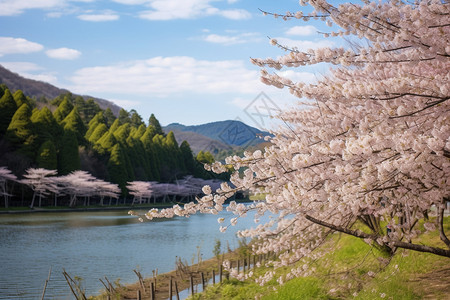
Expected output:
(217, 136)
(37, 89)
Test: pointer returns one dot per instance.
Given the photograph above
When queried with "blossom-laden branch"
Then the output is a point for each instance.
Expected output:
(368, 145)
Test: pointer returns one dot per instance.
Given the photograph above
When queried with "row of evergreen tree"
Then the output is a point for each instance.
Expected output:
(70, 133)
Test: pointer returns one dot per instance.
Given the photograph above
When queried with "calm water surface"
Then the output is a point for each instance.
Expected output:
(93, 245)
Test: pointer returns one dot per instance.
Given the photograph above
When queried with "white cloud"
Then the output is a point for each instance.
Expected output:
(166, 76)
(21, 66)
(231, 40)
(236, 14)
(303, 45)
(107, 16)
(10, 45)
(63, 53)
(187, 9)
(131, 2)
(302, 30)
(16, 7)
(126, 104)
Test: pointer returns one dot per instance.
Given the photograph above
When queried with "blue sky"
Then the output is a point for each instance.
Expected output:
(186, 61)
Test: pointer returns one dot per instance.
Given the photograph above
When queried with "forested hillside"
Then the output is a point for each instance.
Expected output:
(70, 133)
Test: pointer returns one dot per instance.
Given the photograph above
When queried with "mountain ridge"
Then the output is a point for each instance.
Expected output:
(37, 89)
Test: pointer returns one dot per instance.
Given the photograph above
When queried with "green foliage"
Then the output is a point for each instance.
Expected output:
(205, 157)
(20, 98)
(116, 124)
(107, 142)
(73, 122)
(93, 123)
(187, 157)
(99, 131)
(155, 123)
(87, 109)
(7, 109)
(45, 126)
(109, 117)
(63, 110)
(19, 131)
(139, 132)
(117, 169)
(121, 134)
(135, 119)
(68, 157)
(124, 116)
(46, 156)
(217, 248)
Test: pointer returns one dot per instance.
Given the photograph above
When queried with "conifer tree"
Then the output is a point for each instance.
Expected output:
(117, 167)
(88, 110)
(46, 156)
(93, 123)
(121, 134)
(7, 109)
(99, 131)
(63, 110)
(135, 119)
(73, 122)
(155, 123)
(116, 124)
(68, 157)
(45, 126)
(187, 157)
(106, 142)
(139, 132)
(109, 117)
(124, 116)
(20, 98)
(19, 131)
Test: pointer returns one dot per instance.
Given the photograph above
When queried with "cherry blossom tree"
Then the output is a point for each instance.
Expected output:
(41, 181)
(368, 144)
(141, 191)
(5, 176)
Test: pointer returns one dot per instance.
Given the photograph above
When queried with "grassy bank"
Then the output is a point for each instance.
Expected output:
(352, 269)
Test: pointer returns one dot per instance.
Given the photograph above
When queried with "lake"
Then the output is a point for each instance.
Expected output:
(92, 245)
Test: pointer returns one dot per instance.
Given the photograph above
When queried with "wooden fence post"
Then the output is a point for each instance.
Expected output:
(170, 288)
(152, 291)
(203, 280)
(192, 285)
(139, 295)
(176, 290)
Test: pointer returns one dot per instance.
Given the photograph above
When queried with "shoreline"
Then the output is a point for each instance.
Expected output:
(23, 210)
(181, 275)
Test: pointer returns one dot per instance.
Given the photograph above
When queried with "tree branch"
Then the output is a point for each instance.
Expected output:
(398, 244)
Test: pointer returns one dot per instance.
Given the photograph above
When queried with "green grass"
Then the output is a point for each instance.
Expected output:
(349, 269)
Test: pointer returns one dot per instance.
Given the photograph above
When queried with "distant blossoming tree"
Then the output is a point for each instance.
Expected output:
(42, 181)
(5, 176)
(369, 143)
